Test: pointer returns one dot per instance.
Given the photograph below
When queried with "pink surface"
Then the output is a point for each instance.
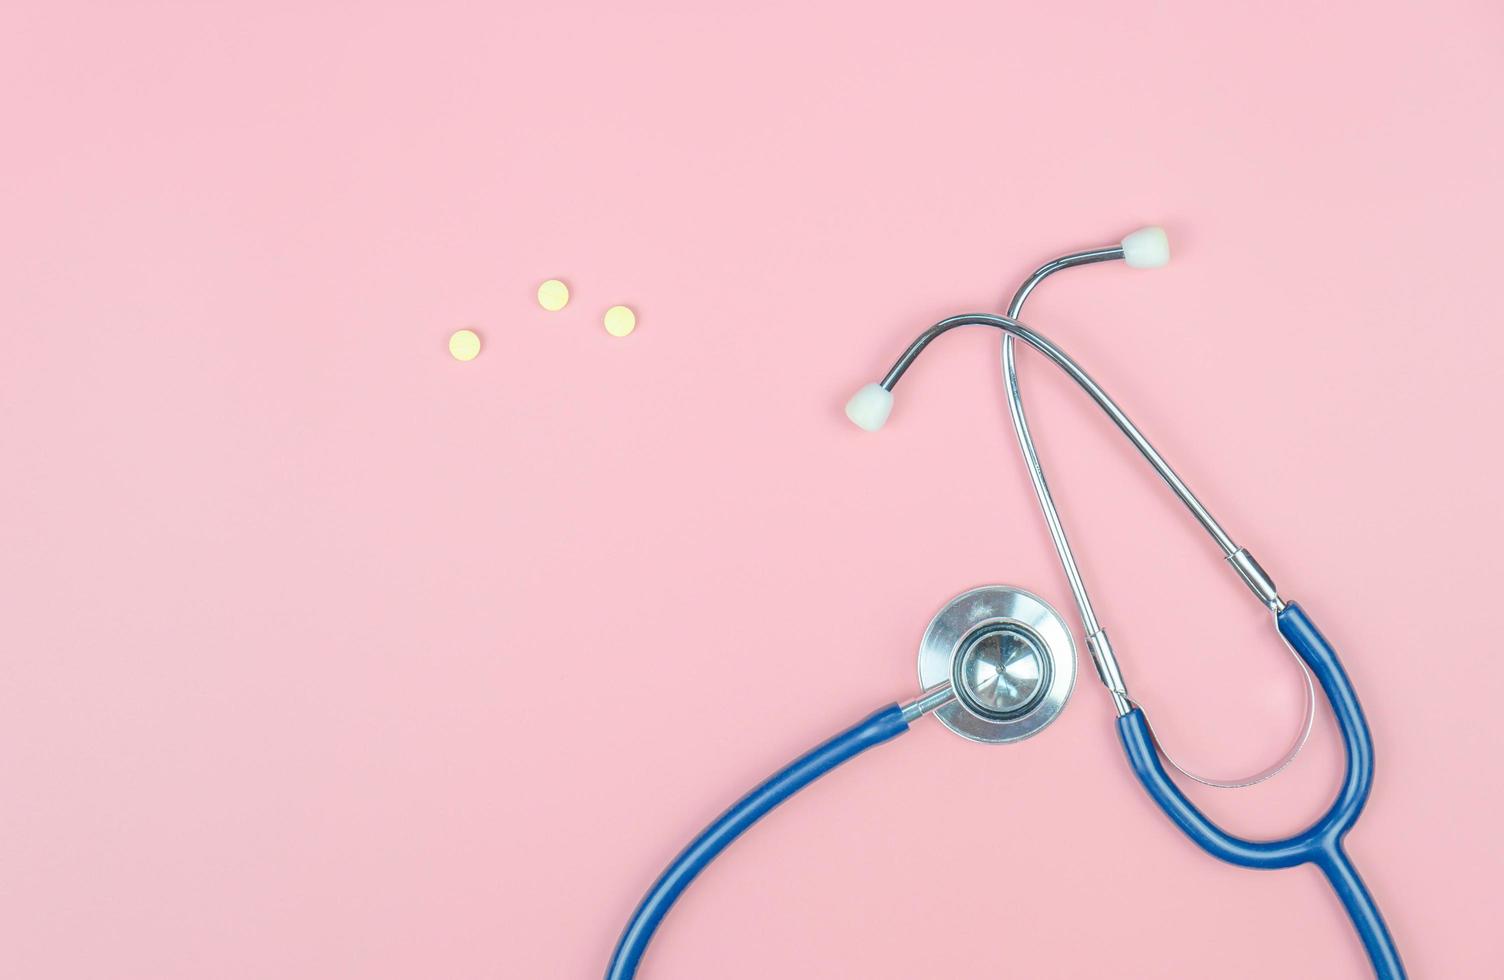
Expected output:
(327, 656)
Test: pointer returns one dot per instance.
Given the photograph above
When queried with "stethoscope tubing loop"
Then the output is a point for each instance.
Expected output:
(1320, 843)
(1312, 647)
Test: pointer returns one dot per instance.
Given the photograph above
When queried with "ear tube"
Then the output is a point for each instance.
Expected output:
(1146, 248)
(1066, 363)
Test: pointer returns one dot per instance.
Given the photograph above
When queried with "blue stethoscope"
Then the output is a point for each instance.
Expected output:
(997, 664)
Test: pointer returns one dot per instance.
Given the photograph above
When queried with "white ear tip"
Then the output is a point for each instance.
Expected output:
(870, 406)
(1147, 248)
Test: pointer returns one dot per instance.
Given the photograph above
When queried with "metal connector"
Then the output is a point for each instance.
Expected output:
(1257, 580)
(1106, 663)
(936, 697)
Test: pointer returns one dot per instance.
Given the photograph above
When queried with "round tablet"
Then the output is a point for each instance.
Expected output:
(553, 295)
(464, 345)
(620, 321)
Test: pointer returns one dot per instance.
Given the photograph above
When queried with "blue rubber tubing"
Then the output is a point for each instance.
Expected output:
(875, 729)
(1321, 843)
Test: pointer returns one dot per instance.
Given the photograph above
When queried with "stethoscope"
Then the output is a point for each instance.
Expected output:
(997, 664)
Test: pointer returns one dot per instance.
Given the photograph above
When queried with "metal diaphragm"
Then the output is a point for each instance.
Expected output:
(1010, 658)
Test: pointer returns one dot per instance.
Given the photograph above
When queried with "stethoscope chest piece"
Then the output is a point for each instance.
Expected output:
(1009, 657)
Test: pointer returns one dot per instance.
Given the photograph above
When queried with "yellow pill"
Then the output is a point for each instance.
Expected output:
(464, 345)
(620, 321)
(553, 295)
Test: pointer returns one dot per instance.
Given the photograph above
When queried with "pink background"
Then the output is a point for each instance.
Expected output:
(325, 655)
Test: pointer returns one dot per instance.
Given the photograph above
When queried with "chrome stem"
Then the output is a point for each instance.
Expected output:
(1097, 643)
(936, 697)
